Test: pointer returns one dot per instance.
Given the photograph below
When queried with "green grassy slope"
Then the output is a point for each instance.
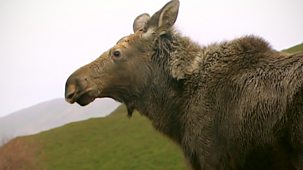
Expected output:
(295, 48)
(110, 143)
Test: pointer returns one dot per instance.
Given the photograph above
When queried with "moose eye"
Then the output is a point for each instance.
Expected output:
(117, 54)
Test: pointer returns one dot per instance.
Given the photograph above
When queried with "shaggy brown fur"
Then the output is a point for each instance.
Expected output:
(233, 105)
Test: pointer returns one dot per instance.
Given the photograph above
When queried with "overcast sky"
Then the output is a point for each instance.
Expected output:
(43, 41)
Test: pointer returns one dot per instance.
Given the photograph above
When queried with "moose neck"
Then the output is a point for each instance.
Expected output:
(161, 103)
(162, 99)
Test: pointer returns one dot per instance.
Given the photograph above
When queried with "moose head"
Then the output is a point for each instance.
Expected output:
(126, 70)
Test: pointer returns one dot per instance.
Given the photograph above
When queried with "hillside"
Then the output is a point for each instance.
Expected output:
(295, 48)
(50, 114)
(114, 142)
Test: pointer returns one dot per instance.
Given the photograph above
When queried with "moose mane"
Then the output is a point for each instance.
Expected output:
(177, 55)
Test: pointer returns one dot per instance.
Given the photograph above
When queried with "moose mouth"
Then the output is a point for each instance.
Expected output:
(85, 99)
(82, 99)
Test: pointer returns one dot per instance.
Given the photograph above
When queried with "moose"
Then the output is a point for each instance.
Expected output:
(232, 105)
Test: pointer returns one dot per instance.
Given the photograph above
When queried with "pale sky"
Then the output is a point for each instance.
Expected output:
(43, 41)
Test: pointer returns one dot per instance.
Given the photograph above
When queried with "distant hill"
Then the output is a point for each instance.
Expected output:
(296, 48)
(50, 114)
(111, 143)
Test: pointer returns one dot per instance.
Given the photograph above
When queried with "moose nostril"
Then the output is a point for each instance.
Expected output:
(75, 84)
(70, 92)
(70, 96)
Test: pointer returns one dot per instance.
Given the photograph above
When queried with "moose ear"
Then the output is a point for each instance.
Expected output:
(140, 21)
(166, 17)
(168, 14)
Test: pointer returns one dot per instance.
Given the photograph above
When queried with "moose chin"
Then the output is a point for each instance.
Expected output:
(231, 105)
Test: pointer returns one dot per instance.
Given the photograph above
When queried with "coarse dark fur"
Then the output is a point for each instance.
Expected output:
(232, 105)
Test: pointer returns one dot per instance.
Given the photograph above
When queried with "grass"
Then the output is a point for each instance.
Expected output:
(294, 49)
(114, 142)
(19, 155)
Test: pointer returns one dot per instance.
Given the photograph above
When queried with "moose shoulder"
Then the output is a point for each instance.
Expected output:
(232, 105)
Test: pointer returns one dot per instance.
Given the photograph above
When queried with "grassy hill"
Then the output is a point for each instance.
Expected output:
(114, 142)
(295, 48)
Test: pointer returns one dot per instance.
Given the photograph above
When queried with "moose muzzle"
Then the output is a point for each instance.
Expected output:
(78, 88)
